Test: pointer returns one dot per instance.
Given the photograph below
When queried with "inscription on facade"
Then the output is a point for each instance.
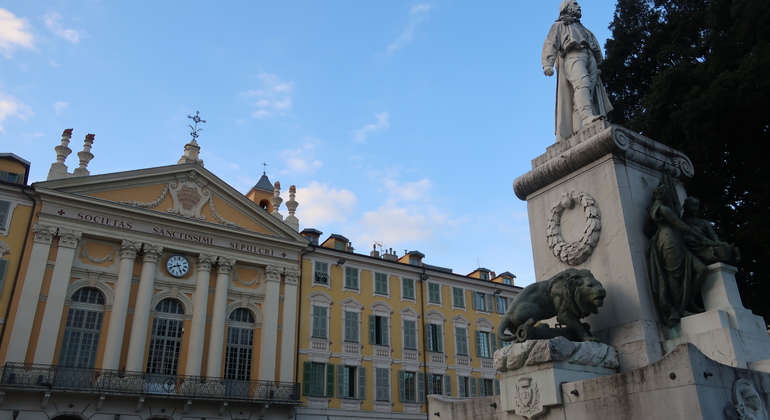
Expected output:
(93, 218)
(182, 235)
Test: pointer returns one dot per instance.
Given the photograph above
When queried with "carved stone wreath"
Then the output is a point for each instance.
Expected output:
(574, 253)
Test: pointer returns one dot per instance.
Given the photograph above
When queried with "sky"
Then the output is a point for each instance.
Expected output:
(402, 123)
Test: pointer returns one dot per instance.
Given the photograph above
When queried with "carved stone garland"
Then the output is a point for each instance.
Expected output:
(574, 253)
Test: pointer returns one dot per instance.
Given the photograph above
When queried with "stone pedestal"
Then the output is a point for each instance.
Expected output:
(587, 200)
(534, 371)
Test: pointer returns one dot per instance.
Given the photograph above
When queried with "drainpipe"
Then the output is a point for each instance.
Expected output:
(424, 340)
(299, 314)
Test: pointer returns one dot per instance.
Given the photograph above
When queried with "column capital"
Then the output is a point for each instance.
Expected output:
(225, 265)
(69, 238)
(291, 275)
(273, 273)
(152, 252)
(44, 233)
(205, 261)
(129, 248)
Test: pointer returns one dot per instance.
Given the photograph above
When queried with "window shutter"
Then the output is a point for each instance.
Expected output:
(447, 385)
(401, 386)
(329, 380)
(478, 343)
(306, 378)
(361, 383)
(341, 381)
(473, 387)
(474, 300)
(440, 338)
(420, 387)
(497, 387)
(492, 343)
(385, 331)
(430, 383)
(372, 328)
(430, 337)
(461, 384)
(490, 303)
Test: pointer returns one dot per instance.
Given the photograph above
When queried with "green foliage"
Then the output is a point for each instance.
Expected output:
(695, 75)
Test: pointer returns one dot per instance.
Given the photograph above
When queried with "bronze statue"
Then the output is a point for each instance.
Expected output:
(569, 296)
(675, 273)
(713, 250)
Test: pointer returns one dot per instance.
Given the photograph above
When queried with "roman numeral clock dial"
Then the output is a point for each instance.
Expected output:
(177, 265)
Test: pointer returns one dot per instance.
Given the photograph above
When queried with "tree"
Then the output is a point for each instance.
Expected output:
(693, 74)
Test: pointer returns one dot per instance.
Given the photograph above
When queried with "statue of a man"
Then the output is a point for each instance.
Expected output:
(574, 50)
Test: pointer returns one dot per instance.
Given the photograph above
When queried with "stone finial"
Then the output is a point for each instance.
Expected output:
(292, 205)
(85, 156)
(276, 200)
(59, 169)
(191, 151)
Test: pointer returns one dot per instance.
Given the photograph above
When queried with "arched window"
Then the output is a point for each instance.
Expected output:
(166, 339)
(240, 340)
(81, 333)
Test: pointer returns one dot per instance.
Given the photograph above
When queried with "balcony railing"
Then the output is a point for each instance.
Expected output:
(49, 377)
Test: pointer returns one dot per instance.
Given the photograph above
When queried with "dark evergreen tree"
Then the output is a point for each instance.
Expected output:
(695, 75)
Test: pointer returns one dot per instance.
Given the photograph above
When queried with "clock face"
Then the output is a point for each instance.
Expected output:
(177, 265)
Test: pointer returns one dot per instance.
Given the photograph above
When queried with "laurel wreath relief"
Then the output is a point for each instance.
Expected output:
(574, 253)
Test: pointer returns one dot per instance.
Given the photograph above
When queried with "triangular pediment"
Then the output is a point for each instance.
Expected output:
(184, 191)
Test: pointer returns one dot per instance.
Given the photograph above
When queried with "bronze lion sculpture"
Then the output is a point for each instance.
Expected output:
(569, 296)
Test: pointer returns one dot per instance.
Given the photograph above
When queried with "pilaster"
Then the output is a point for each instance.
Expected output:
(197, 335)
(217, 334)
(270, 307)
(114, 344)
(138, 338)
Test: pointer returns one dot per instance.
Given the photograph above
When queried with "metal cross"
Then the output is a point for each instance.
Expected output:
(264, 172)
(197, 119)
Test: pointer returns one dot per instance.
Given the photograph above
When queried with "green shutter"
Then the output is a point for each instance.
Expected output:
(497, 387)
(361, 383)
(306, 378)
(492, 343)
(401, 386)
(490, 303)
(372, 328)
(420, 387)
(440, 338)
(478, 343)
(329, 380)
(447, 385)
(430, 337)
(473, 387)
(461, 386)
(341, 381)
(385, 331)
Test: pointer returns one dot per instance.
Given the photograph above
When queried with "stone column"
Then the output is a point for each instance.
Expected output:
(289, 325)
(198, 333)
(217, 334)
(269, 349)
(117, 327)
(57, 294)
(138, 339)
(30, 293)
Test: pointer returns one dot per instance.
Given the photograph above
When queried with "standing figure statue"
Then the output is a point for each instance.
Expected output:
(574, 50)
(676, 274)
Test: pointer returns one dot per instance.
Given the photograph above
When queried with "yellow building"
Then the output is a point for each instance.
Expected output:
(16, 204)
(378, 332)
(158, 293)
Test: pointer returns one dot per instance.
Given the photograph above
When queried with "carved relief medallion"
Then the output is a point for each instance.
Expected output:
(574, 253)
(528, 398)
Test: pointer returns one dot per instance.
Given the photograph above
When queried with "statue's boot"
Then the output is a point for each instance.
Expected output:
(583, 106)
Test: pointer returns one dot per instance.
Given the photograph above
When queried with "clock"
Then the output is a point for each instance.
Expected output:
(177, 265)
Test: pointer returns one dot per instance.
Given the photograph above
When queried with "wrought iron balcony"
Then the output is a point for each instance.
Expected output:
(102, 381)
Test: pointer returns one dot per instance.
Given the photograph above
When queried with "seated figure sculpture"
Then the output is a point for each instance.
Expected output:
(569, 296)
(713, 249)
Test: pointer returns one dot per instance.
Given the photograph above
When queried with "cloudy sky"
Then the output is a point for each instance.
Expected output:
(402, 123)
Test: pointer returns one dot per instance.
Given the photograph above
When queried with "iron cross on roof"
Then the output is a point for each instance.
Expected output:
(197, 119)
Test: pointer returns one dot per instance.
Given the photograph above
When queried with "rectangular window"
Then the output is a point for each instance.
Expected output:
(480, 302)
(407, 288)
(378, 330)
(351, 326)
(508, 281)
(351, 382)
(351, 278)
(382, 384)
(486, 344)
(321, 272)
(461, 341)
(11, 177)
(411, 386)
(410, 334)
(434, 293)
(435, 384)
(318, 380)
(458, 297)
(5, 210)
(463, 387)
(435, 338)
(381, 284)
(486, 387)
(484, 275)
(502, 304)
(319, 322)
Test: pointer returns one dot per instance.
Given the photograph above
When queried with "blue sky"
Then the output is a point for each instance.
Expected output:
(400, 122)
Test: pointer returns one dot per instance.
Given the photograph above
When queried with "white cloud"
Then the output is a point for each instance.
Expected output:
(302, 159)
(382, 123)
(410, 191)
(321, 205)
(273, 97)
(416, 15)
(60, 106)
(12, 107)
(53, 23)
(14, 33)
